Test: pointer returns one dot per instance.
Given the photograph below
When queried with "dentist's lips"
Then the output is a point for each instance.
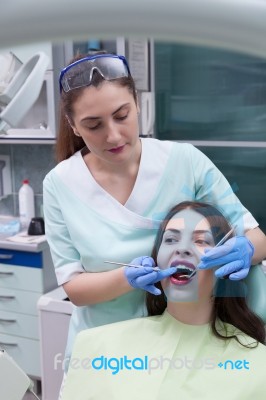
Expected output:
(116, 150)
(183, 268)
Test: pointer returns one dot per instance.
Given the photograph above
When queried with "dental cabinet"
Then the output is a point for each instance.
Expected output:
(26, 272)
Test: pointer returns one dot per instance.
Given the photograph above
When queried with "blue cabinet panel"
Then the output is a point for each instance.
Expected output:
(21, 258)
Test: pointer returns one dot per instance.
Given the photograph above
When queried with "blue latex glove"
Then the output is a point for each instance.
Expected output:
(235, 255)
(145, 278)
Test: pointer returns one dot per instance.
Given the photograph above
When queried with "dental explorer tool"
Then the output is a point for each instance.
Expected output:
(131, 265)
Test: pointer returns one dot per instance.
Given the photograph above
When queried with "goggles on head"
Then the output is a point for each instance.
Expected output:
(80, 73)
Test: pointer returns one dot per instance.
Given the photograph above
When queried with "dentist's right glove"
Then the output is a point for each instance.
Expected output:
(145, 277)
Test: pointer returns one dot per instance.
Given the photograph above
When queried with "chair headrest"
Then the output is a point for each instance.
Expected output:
(256, 291)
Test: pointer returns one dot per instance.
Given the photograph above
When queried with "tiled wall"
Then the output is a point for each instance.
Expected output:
(28, 161)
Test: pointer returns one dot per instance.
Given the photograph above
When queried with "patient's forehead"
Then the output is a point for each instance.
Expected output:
(188, 220)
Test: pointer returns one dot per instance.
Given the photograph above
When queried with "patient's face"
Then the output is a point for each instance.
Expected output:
(186, 236)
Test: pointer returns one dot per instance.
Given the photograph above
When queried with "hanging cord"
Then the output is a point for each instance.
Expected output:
(30, 389)
(34, 394)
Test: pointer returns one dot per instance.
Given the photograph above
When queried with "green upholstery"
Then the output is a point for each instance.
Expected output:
(256, 295)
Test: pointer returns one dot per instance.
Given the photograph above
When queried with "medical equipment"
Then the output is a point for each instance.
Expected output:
(80, 73)
(130, 265)
(10, 64)
(5, 176)
(22, 91)
(217, 245)
(2, 166)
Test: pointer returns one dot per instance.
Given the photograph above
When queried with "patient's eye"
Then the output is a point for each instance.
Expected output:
(202, 242)
(203, 239)
(171, 240)
(171, 237)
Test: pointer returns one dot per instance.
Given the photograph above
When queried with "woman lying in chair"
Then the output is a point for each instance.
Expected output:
(201, 341)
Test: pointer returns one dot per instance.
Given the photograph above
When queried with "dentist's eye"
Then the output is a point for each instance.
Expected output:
(94, 127)
(122, 117)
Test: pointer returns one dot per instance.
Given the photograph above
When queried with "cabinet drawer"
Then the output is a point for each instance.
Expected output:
(25, 352)
(19, 301)
(19, 324)
(22, 258)
(25, 278)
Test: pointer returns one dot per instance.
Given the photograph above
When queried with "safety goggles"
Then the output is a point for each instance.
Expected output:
(80, 73)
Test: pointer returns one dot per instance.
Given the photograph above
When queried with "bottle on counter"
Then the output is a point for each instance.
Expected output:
(26, 204)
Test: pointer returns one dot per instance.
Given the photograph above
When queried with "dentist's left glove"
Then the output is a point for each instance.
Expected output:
(145, 277)
(235, 255)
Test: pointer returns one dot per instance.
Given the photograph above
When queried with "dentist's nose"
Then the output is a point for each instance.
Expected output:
(112, 134)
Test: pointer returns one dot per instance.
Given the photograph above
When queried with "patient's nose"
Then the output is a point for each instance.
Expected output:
(183, 248)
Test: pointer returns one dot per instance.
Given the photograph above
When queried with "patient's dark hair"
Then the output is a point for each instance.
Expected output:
(229, 303)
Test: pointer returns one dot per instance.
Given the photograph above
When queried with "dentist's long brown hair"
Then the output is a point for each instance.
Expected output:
(229, 303)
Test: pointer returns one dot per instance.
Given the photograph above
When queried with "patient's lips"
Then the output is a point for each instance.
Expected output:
(183, 268)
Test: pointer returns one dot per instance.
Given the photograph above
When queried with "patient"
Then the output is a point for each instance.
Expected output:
(200, 341)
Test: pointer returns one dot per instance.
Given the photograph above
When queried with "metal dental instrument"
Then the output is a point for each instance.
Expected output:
(130, 265)
(217, 245)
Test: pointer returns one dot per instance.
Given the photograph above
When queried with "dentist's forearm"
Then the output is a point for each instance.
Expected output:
(258, 239)
(92, 288)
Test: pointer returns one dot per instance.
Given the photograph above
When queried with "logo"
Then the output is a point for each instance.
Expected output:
(148, 364)
(234, 365)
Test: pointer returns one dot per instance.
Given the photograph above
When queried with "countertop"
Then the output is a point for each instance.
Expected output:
(20, 241)
(31, 247)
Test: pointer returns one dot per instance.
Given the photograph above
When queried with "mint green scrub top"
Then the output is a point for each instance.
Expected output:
(85, 225)
(160, 358)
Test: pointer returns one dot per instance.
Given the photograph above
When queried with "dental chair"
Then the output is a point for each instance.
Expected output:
(256, 291)
(14, 383)
(22, 91)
